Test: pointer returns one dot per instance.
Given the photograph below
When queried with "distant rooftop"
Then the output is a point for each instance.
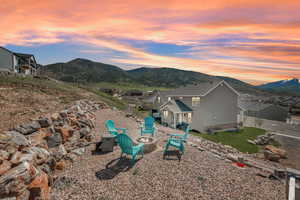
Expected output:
(197, 89)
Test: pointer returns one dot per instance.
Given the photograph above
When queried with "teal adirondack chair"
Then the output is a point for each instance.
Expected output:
(110, 125)
(182, 136)
(127, 146)
(177, 141)
(148, 126)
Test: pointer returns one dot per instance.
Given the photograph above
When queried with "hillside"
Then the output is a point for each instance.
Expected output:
(86, 71)
(167, 77)
(288, 86)
(82, 71)
(22, 99)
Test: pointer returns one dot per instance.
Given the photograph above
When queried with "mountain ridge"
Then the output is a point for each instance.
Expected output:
(290, 86)
(87, 71)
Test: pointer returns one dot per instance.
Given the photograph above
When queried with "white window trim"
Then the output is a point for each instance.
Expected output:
(196, 102)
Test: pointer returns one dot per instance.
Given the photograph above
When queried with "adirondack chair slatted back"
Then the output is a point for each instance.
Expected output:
(148, 123)
(125, 143)
(186, 132)
(110, 125)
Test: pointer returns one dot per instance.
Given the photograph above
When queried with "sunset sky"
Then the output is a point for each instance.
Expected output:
(256, 41)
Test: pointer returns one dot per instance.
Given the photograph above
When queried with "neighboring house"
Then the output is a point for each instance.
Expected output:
(263, 111)
(17, 62)
(294, 116)
(294, 120)
(211, 105)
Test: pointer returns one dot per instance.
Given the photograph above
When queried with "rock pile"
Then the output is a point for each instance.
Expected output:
(262, 139)
(30, 153)
(214, 147)
(274, 154)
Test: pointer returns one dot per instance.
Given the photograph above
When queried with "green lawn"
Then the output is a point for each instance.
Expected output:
(237, 140)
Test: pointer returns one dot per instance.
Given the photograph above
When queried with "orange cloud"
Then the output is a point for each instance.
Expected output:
(267, 32)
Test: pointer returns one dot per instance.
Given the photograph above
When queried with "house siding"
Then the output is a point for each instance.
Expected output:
(6, 60)
(219, 107)
(169, 118)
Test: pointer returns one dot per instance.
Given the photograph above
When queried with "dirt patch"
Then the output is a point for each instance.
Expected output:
(21, 102)
(292, 148)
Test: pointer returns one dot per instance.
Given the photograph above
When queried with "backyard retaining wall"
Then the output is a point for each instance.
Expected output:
(30, 153)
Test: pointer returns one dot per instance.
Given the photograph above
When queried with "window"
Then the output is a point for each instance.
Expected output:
(169, 98)
(166, 113)
(158, 99)
(189, 117)
(195, 101)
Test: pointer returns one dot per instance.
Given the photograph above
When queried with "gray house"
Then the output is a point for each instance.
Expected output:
(211, 105)
(17, 62)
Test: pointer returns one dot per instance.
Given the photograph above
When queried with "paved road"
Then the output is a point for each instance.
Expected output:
(285, 135)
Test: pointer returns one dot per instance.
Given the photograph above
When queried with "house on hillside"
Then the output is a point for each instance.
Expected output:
(206, 106)
(263, 111)
(17, 62)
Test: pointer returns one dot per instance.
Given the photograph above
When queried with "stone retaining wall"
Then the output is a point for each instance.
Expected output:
(30, 153)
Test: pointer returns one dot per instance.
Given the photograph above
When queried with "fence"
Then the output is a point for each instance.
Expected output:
(271, 125)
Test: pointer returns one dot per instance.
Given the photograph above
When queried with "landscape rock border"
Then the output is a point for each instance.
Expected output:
(30, 153)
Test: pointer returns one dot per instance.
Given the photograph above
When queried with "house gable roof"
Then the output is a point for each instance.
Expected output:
(176, 106)
(23, 55)
(201, 89)
(20, 55)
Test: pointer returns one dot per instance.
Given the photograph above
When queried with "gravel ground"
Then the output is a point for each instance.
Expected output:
(199, 175)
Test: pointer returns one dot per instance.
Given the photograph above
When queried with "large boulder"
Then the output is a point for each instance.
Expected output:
(4, 155)
(39, 187)
(75, 137)
(65, 132)
(29, 128)
(54, 140)
(15, 181)
(38, 138)
(280, 152)
(44, 122)
(269, 155)
(84, 131)
(4, 166)
(40, 155)
(14, 138)
(55, 117)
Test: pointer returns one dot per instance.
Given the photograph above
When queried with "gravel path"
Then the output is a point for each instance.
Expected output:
(199, 175)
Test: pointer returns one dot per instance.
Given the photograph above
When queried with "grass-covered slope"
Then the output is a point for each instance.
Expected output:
(24, 98)
(237, 140)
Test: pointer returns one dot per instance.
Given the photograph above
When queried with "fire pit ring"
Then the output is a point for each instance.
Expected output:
(149, 143)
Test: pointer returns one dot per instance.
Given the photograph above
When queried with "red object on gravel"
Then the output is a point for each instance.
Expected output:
(240, 164)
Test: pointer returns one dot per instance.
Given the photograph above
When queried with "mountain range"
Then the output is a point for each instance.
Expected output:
(87, 71)
(287, 86)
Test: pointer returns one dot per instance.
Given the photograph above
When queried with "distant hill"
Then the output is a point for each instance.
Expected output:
(82, 70)
(167, 77)
(291, 86)
(86, 71)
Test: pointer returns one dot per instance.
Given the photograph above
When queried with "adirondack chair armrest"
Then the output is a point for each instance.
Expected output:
(141, 145)
(179, 140)
(122, 129)
(175, 135)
